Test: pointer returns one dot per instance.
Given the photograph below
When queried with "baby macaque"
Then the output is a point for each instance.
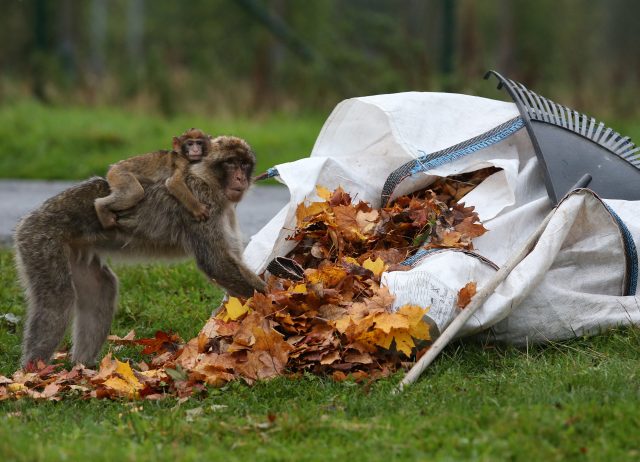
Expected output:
(125, 177)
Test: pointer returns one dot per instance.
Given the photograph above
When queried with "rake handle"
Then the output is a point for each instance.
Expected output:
(476, 302)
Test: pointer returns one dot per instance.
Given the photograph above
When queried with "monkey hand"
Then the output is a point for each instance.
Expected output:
(201, 213)
(127, 220)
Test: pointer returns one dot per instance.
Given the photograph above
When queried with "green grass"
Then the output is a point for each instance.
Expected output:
(49, 142)
(578, 400)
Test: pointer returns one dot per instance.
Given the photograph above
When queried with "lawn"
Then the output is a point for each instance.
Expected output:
(577, 400)
(66, 143)
(48, 142)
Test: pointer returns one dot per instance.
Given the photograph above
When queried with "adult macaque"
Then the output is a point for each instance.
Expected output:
(125, 177)
(60, 249)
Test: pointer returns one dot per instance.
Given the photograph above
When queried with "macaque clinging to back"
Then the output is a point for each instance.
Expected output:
(125, 177)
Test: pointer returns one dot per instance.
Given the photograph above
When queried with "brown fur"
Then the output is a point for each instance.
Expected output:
(60, 249)
(125, 178)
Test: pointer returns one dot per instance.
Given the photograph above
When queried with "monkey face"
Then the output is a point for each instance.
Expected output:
(233, 161)
(237, 174)
(194, 144)
(194, 149)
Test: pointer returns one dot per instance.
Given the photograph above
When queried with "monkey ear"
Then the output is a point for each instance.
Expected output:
(176, 144)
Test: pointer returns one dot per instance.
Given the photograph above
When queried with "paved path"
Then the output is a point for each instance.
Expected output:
(19, 197)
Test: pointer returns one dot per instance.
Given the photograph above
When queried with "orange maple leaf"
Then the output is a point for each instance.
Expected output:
(466, 293)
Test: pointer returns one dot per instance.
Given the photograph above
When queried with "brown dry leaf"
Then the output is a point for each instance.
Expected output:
(330, 358)
(466, 293)
(451, 239)
(358, 357)
(127, 339)
(381, 299)
(470, 229)
(107, 367)
(348, 224)
(331, 312)
(366, 221)
(162, 341)
(188, 357)
(216, 327)
(339, 197)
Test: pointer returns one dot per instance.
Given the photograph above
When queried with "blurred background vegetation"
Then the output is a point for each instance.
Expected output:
(136, 72)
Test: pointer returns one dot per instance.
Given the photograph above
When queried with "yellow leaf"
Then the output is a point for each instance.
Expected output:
(15, 387)
(342, 324)
(377, 267)
(418, 327)
(305, 212)
(404, 342)
(330, 276)
(120, 386)
(124, 382)
(384, 341)
(235, 309)
(388, 321)
(125, 371)
(323, 193)
(299, 289)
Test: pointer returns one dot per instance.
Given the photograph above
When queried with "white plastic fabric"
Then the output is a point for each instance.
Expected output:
(571, 284)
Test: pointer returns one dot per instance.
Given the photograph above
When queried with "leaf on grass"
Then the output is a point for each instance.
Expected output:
(162, 341)
(127, 339)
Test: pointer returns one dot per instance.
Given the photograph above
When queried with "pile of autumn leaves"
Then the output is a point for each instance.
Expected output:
(335, 319)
